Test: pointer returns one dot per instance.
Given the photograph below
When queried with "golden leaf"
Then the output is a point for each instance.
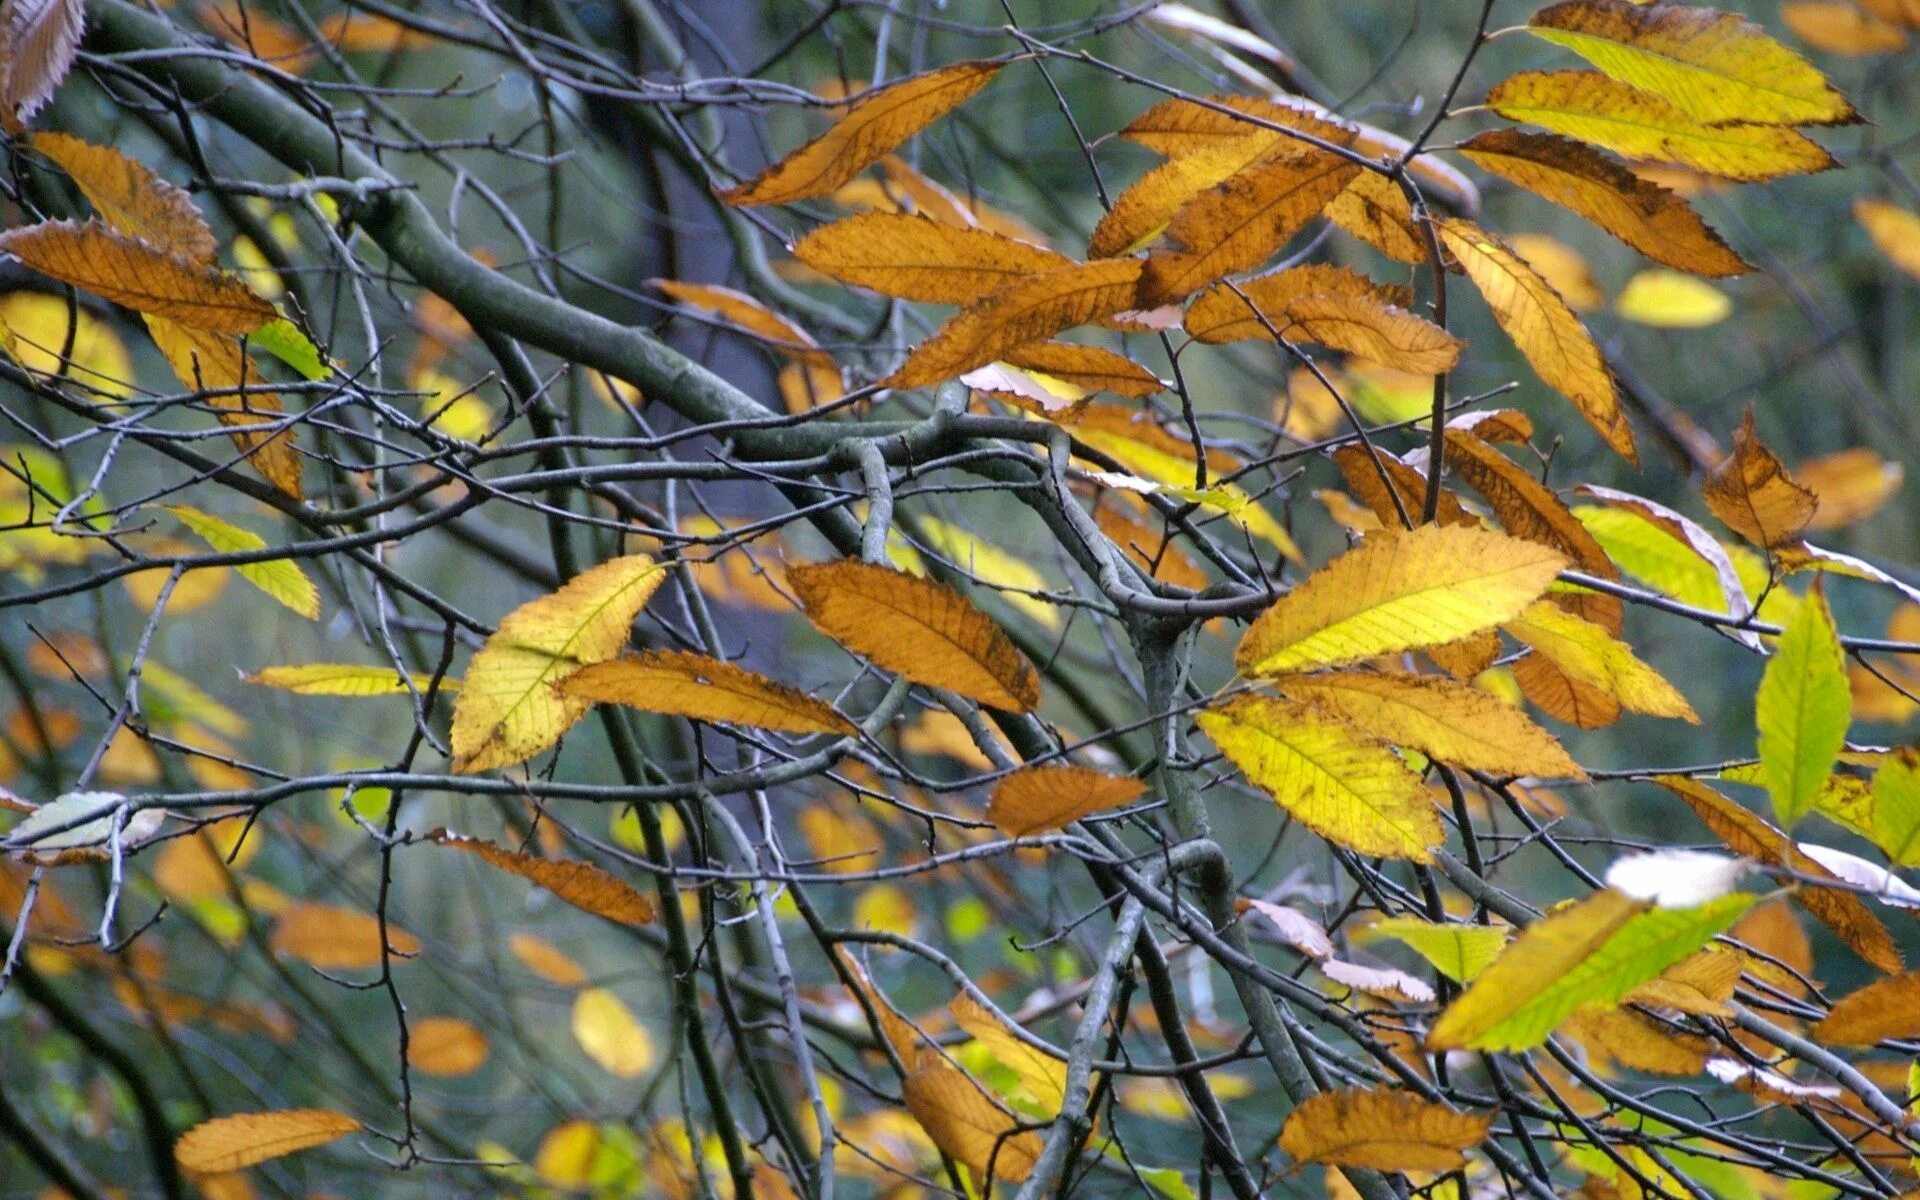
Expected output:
(280, 578)
(213, 362)
(918, 629)
(1588, 654)
(1439, 717)
(131, 198)
(1375, 210)
(1385, 1129)
(1841, 28)
(37, 329)
(1644, 215)
(1563, 697)
(1328, 305)
(682, 684)
(745, 313)
(129, 272)
(1041, 799)
(871, 127)
(918, 258)
(1850, 485)
(580, 884)
(344, 679)
(1242, 222)
(1362, 470)
(1337, 781)
(1886, 1009)
(331, 938)
(1399, 591)
(445, 1046)
(1546, 332)
(966, 1124)
(1562, 267)
(547, 961)
(1142, 213)
(1894, 230)
(609, 1034)
(1715, 67)
(1042, 1076)
(1090, 367)
(1745, 833)
(1701, 984)
(1755, 495)
(508, 710)
(1640, 125)
(230, 1143)
(1637, 1042)
(1153, 552)
(1899, 12)
(1031, 310)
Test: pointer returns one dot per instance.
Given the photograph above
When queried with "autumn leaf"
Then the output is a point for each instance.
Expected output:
(580, 884)
(1330, 306)
(1345, 786)
(1849, 485)
(966, 1124)
(1093, 368)
(1397, 592)
(1460, 952)
(1755, 495)
(1715, 67)
(1141, 213)
(547, 961)
(917, 258)
(445, 1046)
(1375, 210)
(1363, 469)
(683, 684)
(1031, 310)
(336, 939)
(1590, 655)
(1644, 215)
(1242, 222)
(918, 629)
(1802, 710)
(508, 710)
(1670, 300)
(1885, 1010)
(1385, 1129)
(280, 578)
(230, 1143)
(1640, 125)
(1841, 28)
(871, 127)
(745, 313)
(1546, 332)
(1044, 798)
(345, 679)
(214, 362)
(146, 278)
(1449, 721)
(1895, 824)
(1895, 232)
(610, 1035)
(1042, 1076)
(130, 197)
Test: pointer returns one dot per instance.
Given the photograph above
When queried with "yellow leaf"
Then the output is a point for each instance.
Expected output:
(1090, 367)
(1546, 332)
(1894, 230)
(745, 313)
(1385, 1129)
(567, 1155)
(331, 938)
(1399, 591)
(609, 1035)
(1715, 67)
(1644, 215)
(36, 329)
(1242, 222)
(1335, 780)
(992, 566)
(1590, 655)
(213, 362)
(679, 683)
(1030, 310)
(445, 1046)
(1443, 719)
(918, 258)
(508, 710)
(918, 629)
(1042, 1076)
(1755, 495)
(131, 198)
(1622, 118)
(1670, 300)
(230, 1143)
(872, 126)
(280, 578)
(967, 1124)
(580, 884)
(129, 272)
(1562, 267)
(1375, 210)
(344, 679)
(886, 908)
(1460, 952)
(547, 961)
(1850, 485)
(1884, 1010)
(1841, 28)
(1637, 1042)
(1041, 799)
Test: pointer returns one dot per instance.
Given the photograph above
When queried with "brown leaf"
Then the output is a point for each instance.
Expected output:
(580, 884)
(336, 939)
(129, 272)
(1375, 210)
(1563, 697)
(918, 629)
(679, 683)
(1041, 799)
(131, 198)
(1850, 485)
(1753, 493)
(1362, 473)
(1637, 1042)
(1142, 213)
(1886, 1009)
(1644, 215)
(38, 39)
(1385, 1129)
(207, 361)
(966, 1123)
(871, 127)
(230, 1143)
(1091, 367)
(1328, 305)
(1156, 555)
(750, 316)
(918, 258)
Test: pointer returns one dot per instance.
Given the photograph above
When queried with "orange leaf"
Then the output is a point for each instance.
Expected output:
(230, 1143)
(132, 198)
(580, 884)
(129, 272)
(1385, 1129)
(918, 258)
(1753, 493)
(1041, 799)
(331, 938)
(693, 685)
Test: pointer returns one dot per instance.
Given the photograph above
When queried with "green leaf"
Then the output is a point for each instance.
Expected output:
(1802, 710)
(1896, 808)
(1459, 952)
(280, 578)
(283, 339)
(1657, 559)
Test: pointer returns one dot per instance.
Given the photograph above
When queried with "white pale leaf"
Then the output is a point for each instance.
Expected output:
(82, 819)
(1676, 878)
(1886, 887)
(1296, 928)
